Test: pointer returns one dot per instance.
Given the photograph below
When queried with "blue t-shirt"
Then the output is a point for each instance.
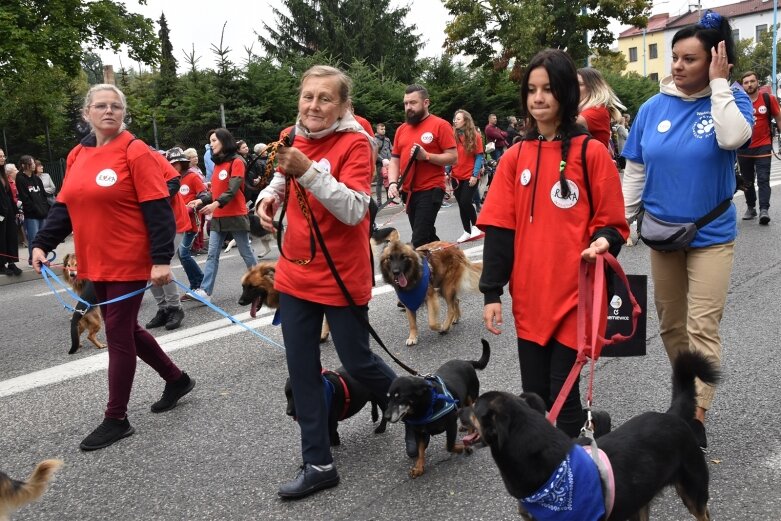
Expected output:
(686, 173)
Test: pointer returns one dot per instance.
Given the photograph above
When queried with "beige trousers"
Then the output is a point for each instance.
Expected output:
(690, 290)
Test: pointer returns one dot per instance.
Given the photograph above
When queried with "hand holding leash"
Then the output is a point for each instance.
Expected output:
(417, 150)
(265, 212)
(492, 316)
(39, 259)
(292, 161)
(160, 274)
(598, 246)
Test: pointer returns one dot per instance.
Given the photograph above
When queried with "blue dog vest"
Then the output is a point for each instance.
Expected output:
(573, 492)
(412, 298)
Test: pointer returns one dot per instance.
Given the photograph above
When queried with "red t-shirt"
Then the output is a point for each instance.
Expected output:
(762, 121)
(103, 189)
(465, 164)
(365, 124)
(183, 223)
(192, 184)
(550, 233)
(347, 157)
(222, 172)
(435, 135)
(598, 122)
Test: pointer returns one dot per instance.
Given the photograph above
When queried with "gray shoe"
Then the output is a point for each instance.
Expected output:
(764, 216)
(750, 214)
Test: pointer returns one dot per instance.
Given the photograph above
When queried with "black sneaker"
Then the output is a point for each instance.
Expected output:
(410, 441)
(159, 319)
(173, 392)
(175, 317)
(750, 213)
(308, 481)
(764, 216)
(107, 433)
(699, 433)
(602, 423)
(13, 269)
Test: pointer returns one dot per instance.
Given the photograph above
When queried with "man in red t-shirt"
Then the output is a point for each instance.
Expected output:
(754, 161)
(422, 147)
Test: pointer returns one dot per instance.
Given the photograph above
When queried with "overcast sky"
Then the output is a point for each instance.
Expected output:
(199, 23)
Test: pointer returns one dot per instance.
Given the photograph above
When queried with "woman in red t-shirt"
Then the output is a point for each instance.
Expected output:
(114, 200)
(599, 106)
(331, 160)
(466, 171)
(229, 209)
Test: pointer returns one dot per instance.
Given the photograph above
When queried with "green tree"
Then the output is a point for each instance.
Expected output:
(499, 33)
(757, 58)
(609, 61)
(632, 89)
(367, 30)
(166, 86)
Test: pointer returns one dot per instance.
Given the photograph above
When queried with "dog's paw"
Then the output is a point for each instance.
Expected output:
(416, 471)
(101, 346)
(411, 341)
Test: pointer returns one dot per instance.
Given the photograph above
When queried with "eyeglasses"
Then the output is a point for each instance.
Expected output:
(103, 107)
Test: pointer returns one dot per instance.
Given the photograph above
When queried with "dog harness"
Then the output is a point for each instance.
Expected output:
(571, 492)
(330, 390)
(412, 298)
(606, 476)
(442, 402)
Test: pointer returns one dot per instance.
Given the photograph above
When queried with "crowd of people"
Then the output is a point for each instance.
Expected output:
(570, 177)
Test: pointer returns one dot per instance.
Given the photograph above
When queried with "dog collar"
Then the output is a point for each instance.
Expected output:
(573, 492)
(412, 298)
(444, 398)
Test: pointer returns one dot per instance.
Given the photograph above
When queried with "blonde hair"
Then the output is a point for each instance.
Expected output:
(190, 153)
(599, 93)
(470, 132)
(102, 87)
(324, 71)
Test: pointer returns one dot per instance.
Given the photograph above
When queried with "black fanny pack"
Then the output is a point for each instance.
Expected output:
(666, 236)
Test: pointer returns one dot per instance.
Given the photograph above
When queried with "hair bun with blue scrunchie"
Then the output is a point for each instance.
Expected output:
(711, 20)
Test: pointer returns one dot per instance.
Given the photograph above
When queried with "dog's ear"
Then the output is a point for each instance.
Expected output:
(495, 428)
(534, 401)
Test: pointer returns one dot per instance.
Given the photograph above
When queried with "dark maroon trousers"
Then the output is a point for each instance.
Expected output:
(126, 340)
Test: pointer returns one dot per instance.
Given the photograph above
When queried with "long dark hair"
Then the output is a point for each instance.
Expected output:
(563, 77)
(710, 30)
(228, 142)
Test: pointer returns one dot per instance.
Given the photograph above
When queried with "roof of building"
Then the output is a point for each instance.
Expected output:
(657, 22)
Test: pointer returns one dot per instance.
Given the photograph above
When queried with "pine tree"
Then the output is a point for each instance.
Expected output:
(167, 83)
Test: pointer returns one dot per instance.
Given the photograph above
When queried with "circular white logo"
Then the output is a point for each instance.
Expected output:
(526, 176)
(223, 175)
(664, 126)
(324, 165)
(704, 127)
(427, 137)
(762, 109)
(106, 177)
(616, 302)
(184, 189)
(565, 202)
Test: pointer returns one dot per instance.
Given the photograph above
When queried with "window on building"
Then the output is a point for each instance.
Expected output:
(653, 76)
(761, 29)
(633, 54)
(736, 35)
(652, 52)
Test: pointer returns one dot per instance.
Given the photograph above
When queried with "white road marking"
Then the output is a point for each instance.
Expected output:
(179, 339)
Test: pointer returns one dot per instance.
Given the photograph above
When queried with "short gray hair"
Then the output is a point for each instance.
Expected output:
(101, 87)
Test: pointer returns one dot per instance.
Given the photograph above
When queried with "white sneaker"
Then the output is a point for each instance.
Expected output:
(231, 245)
(464, 237)
(201, 294)
(265, 246)
(476, 232)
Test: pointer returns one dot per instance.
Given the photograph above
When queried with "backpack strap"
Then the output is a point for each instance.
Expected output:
(586, 180)
(769, 114)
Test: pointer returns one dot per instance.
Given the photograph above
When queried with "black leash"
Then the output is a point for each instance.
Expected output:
(400, 180)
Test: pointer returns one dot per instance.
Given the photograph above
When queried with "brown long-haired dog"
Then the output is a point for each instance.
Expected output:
(91, 320)
(15, 494)
(451, 273)
(257, 288)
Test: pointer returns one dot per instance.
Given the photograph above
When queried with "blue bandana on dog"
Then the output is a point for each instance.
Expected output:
(412, 298)
(573, 492)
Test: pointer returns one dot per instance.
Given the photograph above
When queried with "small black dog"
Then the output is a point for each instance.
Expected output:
(647, 453)
(419, 402)
(349, 396)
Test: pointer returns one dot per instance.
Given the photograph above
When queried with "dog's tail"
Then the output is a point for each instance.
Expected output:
(14, 494)
(480, 364)
(688, 366)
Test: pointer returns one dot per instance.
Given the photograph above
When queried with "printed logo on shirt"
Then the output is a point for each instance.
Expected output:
(324, 165)
(184, 189)
(427, 137)
(762, 109)
(223, 175)
(568, 202)
(703, 127)
(664, 126)
(106, 178)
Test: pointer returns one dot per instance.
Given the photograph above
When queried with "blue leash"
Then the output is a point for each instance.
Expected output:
(48, 273)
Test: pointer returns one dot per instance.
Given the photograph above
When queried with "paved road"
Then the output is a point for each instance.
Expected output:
(222, 452)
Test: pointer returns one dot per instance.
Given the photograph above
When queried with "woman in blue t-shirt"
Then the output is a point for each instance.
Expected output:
(680, 165)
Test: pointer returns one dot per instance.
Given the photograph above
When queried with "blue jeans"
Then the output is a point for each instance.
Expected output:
(31, 227)
(194, 273)
(213, 257)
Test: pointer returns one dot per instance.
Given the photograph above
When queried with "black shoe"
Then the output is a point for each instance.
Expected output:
(159, 319)
(699, 433)
(175, 317)
(13, 269)
(764, 216)
(750, 213)
(107, 433)
(173, 392)
(602, 423)
(308, 481)
(411, 443)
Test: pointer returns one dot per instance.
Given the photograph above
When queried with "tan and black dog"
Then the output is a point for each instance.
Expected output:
(15, 494)
(430, 405)
(649, 452)
(348, 396)
(91, 320)
(451, 273)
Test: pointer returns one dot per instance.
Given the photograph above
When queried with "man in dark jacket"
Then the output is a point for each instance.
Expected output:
(33, 197)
